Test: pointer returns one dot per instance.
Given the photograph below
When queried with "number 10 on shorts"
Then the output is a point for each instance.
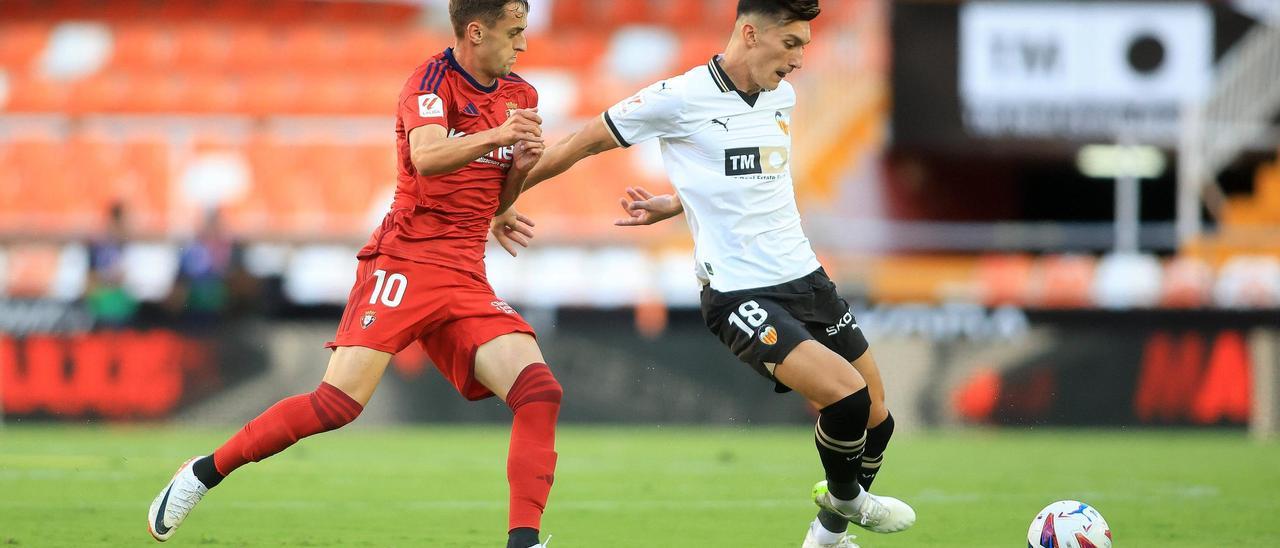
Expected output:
(389, 288)
(749, 313)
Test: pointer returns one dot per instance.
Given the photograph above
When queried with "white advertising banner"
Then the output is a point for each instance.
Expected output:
(1082, 70)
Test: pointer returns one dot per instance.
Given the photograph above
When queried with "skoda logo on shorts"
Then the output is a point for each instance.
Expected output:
(768, 335)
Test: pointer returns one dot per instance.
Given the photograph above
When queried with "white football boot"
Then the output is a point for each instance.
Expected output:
(878, 514)
(174, 502)
(811, 538)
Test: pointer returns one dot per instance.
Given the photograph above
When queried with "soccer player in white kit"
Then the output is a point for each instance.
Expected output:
(725, 133)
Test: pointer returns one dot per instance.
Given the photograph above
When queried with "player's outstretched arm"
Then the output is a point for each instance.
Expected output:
(433, 153)
(592, 139)
(644, 208)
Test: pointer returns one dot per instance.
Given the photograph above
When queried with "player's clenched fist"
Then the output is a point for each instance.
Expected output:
(523, 125)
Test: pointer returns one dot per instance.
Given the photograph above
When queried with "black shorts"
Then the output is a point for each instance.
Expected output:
(762, 325)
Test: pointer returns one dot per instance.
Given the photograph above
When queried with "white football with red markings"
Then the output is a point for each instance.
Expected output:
(1069, 524)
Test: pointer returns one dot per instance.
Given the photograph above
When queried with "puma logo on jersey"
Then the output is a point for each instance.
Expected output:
(724, 123)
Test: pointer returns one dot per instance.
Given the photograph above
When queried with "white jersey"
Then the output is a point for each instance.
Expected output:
(728, 155)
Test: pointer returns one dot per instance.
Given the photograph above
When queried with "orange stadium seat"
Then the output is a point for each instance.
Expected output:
(272, 94)
(28, 93)
(413, 46)
(920, 278)
(1187, 283)
(311, 47)
(620, 13)
(106, 92)
(282, 179)
(155, 92)
(570, 14)
(21, 42)
(31, 269)
(573, 49)
(376, 94)
(696, 48)
(145, 186)
(103, 157)
(344, 187)
(10, 185)
(337, 93)
(253, 47)
(1004, 279)
(201, 46)
(41, 171)
(602, 92)
(682, 14)
(1066, 281)
(212, 92)
(721, 13)
(367, 46)
(141, 46)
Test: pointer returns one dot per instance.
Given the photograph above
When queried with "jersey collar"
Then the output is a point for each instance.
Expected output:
(722, 80)
(448, 55)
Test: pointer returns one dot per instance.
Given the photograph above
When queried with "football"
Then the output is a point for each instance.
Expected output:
(1069, 524)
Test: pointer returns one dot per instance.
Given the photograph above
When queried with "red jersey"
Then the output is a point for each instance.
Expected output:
(444, 219)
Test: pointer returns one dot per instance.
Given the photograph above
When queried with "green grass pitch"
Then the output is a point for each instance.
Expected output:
(635, 486)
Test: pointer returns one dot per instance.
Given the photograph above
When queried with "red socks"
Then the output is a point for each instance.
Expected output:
(286, 422)
(531, 460)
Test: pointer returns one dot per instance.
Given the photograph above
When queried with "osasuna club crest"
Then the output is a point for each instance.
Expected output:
(367, 320)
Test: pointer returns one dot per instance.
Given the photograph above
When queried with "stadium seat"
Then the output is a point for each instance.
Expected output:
(212, 93)
(1127, 280)
(1188, 283)
(682, 14)
(1267, 191)
(253, 47)
(31, 268)
(102, 93)
(1248, 281)
(311, 47)
(21, 42)
(619, 13)
(140, 46)
(1066, 281)
(696, 48)
(367, 46)
(577, 49)
(201, 46)
(29, 93)
(1004, 279)
(925, 278)
(570, 14)
(146, 187)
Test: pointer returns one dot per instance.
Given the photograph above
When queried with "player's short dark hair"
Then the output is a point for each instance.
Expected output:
(488, 12)
(784, 11)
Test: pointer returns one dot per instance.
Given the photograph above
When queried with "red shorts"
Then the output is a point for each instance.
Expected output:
(449, 312)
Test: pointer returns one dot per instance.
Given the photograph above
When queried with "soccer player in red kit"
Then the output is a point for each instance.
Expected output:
(467, 134)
